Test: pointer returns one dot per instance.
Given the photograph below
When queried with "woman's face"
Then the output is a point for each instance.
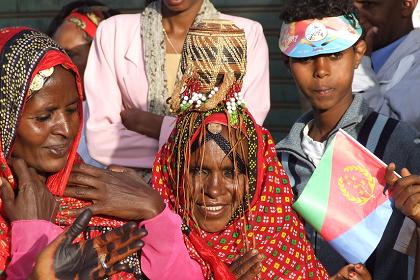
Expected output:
(218, 191)
(75, 41)
(49, 123)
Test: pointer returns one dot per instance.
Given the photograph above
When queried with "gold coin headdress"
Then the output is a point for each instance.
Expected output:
(213, 66)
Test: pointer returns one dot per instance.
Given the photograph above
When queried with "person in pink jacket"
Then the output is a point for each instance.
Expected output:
(132, 68)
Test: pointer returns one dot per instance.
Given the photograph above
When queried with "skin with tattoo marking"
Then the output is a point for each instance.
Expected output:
(64, 260)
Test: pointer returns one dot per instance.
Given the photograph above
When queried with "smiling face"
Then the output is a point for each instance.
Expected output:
(218, 190)
(326, 80)
(391, 17)
(49, 124)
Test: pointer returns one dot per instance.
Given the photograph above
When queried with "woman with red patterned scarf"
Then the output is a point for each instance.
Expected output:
(228, 199)
(219, 171)
(40, 125)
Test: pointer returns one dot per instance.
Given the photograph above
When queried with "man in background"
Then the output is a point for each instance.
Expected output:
(389, 74)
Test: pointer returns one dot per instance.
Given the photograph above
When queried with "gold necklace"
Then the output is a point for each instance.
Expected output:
(170, 42)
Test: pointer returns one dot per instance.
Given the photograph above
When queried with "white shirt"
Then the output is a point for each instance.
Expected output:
(312, 149)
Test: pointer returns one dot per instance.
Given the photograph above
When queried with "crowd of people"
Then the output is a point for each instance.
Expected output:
(132, 145)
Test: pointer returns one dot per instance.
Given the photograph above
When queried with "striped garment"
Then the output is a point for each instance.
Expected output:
(387, 138)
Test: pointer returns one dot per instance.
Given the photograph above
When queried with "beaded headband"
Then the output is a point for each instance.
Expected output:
(313, 37)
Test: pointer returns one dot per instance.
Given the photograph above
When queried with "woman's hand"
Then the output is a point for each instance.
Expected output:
(405, 191)
(117, 192)
(352, 272)
(142, 122)
(247, 266)
(91, 259)
(33, 200)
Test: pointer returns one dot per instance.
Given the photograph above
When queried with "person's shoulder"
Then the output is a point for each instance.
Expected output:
(399, 133)
(293, 139)
(403, 129)
(118, 29)
(415, 34)
(122, 21)
(399, 128)
(244, 23)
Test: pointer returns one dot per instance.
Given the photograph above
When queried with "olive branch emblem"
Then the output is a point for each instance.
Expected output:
(356, 188)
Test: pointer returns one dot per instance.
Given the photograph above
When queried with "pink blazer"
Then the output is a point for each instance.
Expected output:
(115, 80)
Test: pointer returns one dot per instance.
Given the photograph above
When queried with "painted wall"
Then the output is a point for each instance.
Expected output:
(285, 108)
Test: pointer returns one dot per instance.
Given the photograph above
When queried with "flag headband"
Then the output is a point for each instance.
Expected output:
(313, 37)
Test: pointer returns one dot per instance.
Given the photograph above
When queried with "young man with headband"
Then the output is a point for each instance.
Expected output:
(323, 41)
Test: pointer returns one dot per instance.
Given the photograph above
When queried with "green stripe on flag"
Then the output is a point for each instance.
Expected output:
(313, 202)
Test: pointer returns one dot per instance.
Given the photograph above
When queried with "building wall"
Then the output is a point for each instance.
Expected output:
(285, 108)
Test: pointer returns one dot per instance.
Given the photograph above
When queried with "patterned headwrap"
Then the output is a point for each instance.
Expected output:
(27, 58)
(265, 219)
(87, 18)
(313, 37)
(25, 55)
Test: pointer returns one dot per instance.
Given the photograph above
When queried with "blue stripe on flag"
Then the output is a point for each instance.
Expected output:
(358, 243)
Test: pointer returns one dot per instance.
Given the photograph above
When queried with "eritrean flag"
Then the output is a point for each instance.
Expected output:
(344, 199)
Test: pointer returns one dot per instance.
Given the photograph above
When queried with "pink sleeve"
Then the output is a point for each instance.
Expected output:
(29, 238)
(165, 131)
(164, 255)
(256, 87)
(109, 142)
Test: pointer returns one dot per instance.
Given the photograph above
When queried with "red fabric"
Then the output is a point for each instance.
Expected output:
(273, 228)
(357, 182)
(88, 26)
(56, 183)
(7, 33)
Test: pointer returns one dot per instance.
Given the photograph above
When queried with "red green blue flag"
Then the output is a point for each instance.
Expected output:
(344, 199)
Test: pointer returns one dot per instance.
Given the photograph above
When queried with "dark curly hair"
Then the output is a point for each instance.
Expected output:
(310, 9)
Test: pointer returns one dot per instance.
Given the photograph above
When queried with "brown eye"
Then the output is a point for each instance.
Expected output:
(302, 60)
(197, 171)
(229, 173)
(336, 56)
(43, 118)
(72, 109)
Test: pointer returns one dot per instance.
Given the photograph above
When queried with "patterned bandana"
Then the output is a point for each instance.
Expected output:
(264, 219)
(24, 54)
(313, 37)
(87, 20)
